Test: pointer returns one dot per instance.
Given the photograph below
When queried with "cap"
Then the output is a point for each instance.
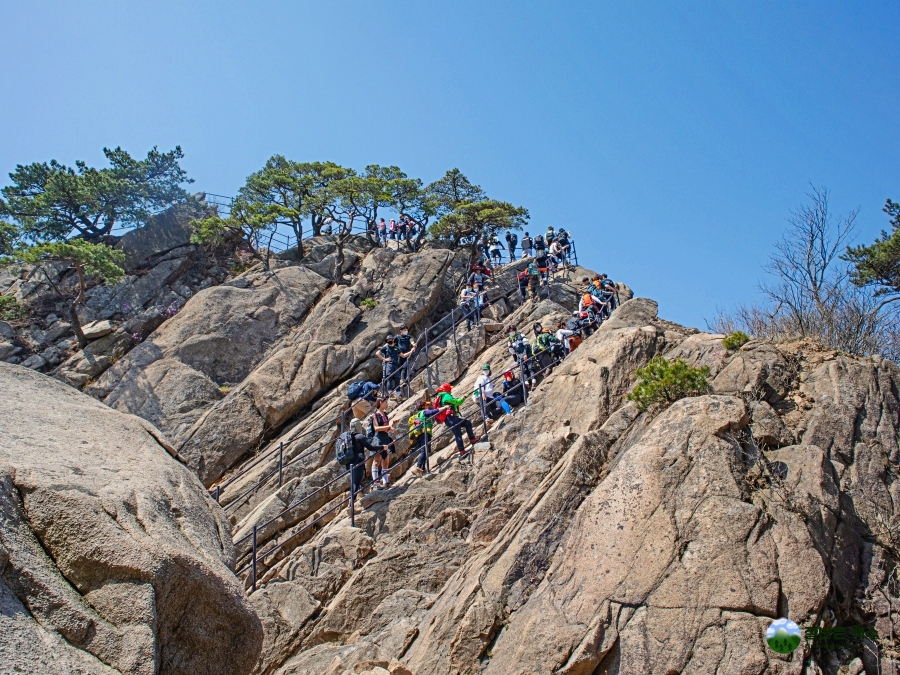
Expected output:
(486, 366)
(446, 387)
(356, 426)
(508, 374)
(389, 337)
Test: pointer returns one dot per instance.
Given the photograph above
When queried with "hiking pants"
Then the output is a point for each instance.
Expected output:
(512, 252)
(419, 445)
(456, 426)
(391, 377)
(496, 255)
(357, 475)
(527, 252)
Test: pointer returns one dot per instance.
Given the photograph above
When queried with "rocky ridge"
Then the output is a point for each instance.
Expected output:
(585, 538)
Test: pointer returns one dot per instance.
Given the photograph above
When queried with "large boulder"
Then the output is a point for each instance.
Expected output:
(334, 341)
(164, 232)
(113, 558)
(217, 339)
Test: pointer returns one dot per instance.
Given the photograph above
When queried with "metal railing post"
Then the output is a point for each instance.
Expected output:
(427, 361)
(352, 499)
(280, 463)
(253, 567)
(217, 494)
(425, 432)
(524, 388)
(483, 411)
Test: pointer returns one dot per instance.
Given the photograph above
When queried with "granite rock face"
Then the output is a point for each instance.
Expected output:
(113, 558)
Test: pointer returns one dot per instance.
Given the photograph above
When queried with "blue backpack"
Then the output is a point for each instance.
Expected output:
(343, 449)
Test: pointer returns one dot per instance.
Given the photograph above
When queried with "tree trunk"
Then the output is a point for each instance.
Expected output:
(76, 326)
(317, 225)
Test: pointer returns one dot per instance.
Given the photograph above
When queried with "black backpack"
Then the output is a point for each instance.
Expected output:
(539, 242)
(343, 449)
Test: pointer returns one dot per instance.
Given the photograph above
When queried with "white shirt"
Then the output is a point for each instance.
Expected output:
(484, 385)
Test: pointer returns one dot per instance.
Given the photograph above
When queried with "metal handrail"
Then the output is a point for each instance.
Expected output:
(256, 528)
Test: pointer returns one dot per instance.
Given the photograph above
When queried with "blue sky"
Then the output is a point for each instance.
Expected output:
(672, 138)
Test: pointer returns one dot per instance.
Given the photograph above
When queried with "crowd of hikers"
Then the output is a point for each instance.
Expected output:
(371, 430)
(552, 248)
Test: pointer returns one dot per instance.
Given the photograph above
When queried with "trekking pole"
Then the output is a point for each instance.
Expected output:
(453, 319)
(281, 461)
(253, 567)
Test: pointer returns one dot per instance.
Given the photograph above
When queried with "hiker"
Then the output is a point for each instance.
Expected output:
(484, 389)
(522, 281)
(390, 358)
(610, 292)
(328, 226)
(470, 303)
(495, 250)
(511, 240)
(527, 250)
(401, 229)
(362, 396)
(557, 253)
(550, 236)
(382, 232)
(565, 335)
(407, 346)
(521, 352)
(534, 280)
(478, 278)
(450, 416)
(357, 445)
(513, 391)
(380, 427)
(421, 426)
(564, 245)
(546, 350)
(539, 246)
(392, 229)
(541, 260)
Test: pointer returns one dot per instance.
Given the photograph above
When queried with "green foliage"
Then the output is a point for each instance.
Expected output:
(480, 220)
(736, 340)
(53, 202)
(879, 264)
(10, 310)
(465, 211)
(664, 381)
(94, 260)
(368, 303)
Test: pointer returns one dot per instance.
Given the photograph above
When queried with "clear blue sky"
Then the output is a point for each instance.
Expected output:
(672, 138)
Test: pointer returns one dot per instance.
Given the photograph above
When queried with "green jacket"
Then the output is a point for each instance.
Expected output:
(542, 342)
(446, 399)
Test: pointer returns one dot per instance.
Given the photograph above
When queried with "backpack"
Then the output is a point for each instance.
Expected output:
(355, 390)
(370, 427)
(343, 448)
(533, 270)
(573, 324)
(550, 237)
(526, 242)
(513, 239)
(539, 241)
(418, 425)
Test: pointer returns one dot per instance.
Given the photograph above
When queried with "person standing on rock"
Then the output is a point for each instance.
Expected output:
(511, 241)
(534, 281)
(360, 445)
(381, 427)
(421, 427)
(390, 359)
(449, 415)
(521, 352)
(407, 346)
(382, 232)
(496, 256)
(527, 250)
(470, 303)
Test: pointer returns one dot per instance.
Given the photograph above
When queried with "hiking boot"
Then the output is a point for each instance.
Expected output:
(418, 471)
(463, 454)
(490, 423)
